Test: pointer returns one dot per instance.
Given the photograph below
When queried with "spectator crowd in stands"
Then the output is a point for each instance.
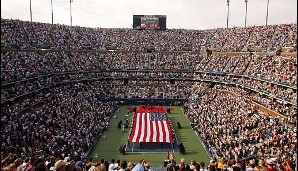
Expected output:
(52, 101)
(233, 128)
(26, 34)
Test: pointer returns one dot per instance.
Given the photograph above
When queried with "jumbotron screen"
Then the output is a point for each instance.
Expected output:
(150, 22)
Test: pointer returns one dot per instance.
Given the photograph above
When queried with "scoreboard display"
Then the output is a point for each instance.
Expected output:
(149, 22)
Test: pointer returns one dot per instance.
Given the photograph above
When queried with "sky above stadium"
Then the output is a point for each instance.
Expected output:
(186, 14)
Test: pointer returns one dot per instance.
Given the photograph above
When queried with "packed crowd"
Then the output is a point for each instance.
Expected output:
(69, 97)
(26, 34)
(272, 68)
(279, 104)
(162, 89)
(290, 111)
(233, 128)
(51, 163)
(66, 121)
(142, 89)
(281, 92)
(28, 64)
(280, 36)
(17, 65)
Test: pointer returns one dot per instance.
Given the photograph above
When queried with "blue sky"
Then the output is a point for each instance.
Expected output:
(186, 14)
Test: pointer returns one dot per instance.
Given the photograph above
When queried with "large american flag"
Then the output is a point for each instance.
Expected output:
(151, 124)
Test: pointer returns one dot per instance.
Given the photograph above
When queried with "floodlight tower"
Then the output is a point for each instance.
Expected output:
(70, 13)
(228, 3)
(245, 12)
(267, 12)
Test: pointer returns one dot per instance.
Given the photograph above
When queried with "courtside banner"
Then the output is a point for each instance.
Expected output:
(151, 124)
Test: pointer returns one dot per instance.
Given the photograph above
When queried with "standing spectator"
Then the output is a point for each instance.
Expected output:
(220, 164)
(41, 166)
(130, 166)
(51, 162)
(251, 166)
(270, 165)
(10, 167)
(192, 164)
(211, 166)
(97, 168)
(148, 167)
(79, 165)
(197, 167)
(30, 165)
(123, 165)
(261, 165)
(289, 166)
(60, 165)
(139, 166)
(18, 164)
(6, 159)
(182, 165)
(202, 166)
(112, 166)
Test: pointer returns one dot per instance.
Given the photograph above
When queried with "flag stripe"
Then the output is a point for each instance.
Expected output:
(142, 127)
(161, 133)
(154, 132)
(166, 137)
(157, 133)
(148, 133)
(133, 131)
(136, 127)
(151, 132)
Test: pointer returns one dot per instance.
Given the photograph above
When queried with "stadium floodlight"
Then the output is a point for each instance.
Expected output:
(228, 3)
(267, 12)
(30, 12)
(245, 12)
(70, 13)
(52, 11)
